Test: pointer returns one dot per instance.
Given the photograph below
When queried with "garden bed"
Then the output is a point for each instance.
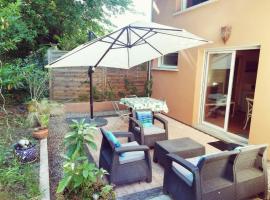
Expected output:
(17, 181)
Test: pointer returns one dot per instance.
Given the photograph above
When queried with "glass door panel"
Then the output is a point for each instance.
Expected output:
(217, 88)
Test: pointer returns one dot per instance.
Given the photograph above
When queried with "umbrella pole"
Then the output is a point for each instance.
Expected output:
(90, 74)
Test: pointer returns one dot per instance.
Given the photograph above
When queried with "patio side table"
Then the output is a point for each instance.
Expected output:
(183, 147)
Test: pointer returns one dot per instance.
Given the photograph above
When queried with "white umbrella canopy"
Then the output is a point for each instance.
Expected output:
(129, 46)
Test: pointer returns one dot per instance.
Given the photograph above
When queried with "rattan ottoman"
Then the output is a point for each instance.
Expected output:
(183, 147)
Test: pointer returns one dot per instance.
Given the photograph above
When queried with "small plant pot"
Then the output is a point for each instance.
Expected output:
(27, 155)
(40, 133)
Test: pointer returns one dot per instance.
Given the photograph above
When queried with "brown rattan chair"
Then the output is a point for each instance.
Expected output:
(202, 178)
(251, 172)
(148, 135)
(133, 166)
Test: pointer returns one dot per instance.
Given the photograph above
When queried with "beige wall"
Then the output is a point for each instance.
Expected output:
(250, 26)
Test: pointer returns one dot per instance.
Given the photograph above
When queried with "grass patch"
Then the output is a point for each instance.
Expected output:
(17, 181)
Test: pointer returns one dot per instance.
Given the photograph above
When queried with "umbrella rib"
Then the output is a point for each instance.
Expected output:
(121, 45)
(181, 36)
(140, 38)
(164, 29)
(110, 47)
(147, 42)
(117, 40)
(88, 44)
(139, 42)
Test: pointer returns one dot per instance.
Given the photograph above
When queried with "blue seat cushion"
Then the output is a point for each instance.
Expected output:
(113, 139)
(145, 117)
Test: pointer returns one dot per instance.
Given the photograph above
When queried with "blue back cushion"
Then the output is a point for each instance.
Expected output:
(145, 117)
(113, 139)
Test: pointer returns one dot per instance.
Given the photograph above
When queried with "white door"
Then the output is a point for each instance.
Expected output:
(217, 88)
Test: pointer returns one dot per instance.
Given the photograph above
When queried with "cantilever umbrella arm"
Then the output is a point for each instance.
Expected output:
(91, 70)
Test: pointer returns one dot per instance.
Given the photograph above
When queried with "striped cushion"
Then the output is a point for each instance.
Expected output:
(145, 117)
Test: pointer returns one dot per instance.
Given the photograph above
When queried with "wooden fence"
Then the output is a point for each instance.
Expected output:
(72, 83)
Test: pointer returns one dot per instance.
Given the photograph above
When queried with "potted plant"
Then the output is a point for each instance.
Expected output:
(42, 131)
(39, 116)
(25, 151)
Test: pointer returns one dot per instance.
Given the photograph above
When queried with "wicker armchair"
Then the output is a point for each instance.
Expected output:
(251, 172)
(134, 165)
(148, 135)
(202, 178)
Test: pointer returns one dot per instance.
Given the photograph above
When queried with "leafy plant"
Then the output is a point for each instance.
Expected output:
(83, 179)
(36, 81)
(81, 133)
(98, 96)
(40, 111)
(130, 87)
(148, 87)
(44, 120)
(27, 25)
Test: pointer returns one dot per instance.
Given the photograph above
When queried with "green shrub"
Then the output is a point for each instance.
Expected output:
(81, 134)
(82, 180)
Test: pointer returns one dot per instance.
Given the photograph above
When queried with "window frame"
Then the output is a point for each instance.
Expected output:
(161, 65)
(179, 8)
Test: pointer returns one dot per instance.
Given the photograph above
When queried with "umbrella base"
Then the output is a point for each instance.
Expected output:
(98, 121)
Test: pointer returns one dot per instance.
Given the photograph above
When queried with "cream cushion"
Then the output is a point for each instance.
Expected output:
(131, 156)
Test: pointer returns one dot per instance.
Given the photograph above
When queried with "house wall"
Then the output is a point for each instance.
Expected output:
(250, 26)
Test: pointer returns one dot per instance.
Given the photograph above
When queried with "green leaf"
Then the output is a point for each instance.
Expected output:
(70, 134)
(92, 145)
(63, 184)
(85, 173)
(78, 181)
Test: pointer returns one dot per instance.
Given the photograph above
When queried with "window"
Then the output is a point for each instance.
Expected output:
(169, 61)
(189, 3)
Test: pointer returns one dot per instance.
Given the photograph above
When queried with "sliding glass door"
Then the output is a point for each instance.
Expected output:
(218, 79)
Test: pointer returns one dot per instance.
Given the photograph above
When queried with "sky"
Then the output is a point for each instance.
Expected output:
(142, 13)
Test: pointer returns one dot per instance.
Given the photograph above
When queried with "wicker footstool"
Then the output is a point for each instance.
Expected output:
(183, 147)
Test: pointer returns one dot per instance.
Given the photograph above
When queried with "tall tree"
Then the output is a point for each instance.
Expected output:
(26, 25)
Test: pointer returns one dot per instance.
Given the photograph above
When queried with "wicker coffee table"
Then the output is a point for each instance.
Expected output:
(183, 147)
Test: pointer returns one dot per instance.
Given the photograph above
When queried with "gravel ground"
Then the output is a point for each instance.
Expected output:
(57, 130)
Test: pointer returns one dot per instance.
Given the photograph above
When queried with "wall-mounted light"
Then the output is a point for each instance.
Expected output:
(225, 33)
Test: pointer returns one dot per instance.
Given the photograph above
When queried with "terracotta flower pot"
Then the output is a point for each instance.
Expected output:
(40, 133)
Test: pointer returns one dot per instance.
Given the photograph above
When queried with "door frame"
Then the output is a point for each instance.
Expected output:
(204, 79)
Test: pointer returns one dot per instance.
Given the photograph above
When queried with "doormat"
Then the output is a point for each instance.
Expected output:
(155, 193)
(223, 146)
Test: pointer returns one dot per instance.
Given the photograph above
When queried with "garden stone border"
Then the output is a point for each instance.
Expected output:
(44, 184)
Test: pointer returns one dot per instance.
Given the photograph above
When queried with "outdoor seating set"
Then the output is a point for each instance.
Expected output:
(189, 174)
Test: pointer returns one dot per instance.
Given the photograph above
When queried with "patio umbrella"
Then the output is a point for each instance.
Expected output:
(126, 47)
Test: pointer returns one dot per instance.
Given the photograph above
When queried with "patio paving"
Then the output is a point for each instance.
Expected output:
(176, 130)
